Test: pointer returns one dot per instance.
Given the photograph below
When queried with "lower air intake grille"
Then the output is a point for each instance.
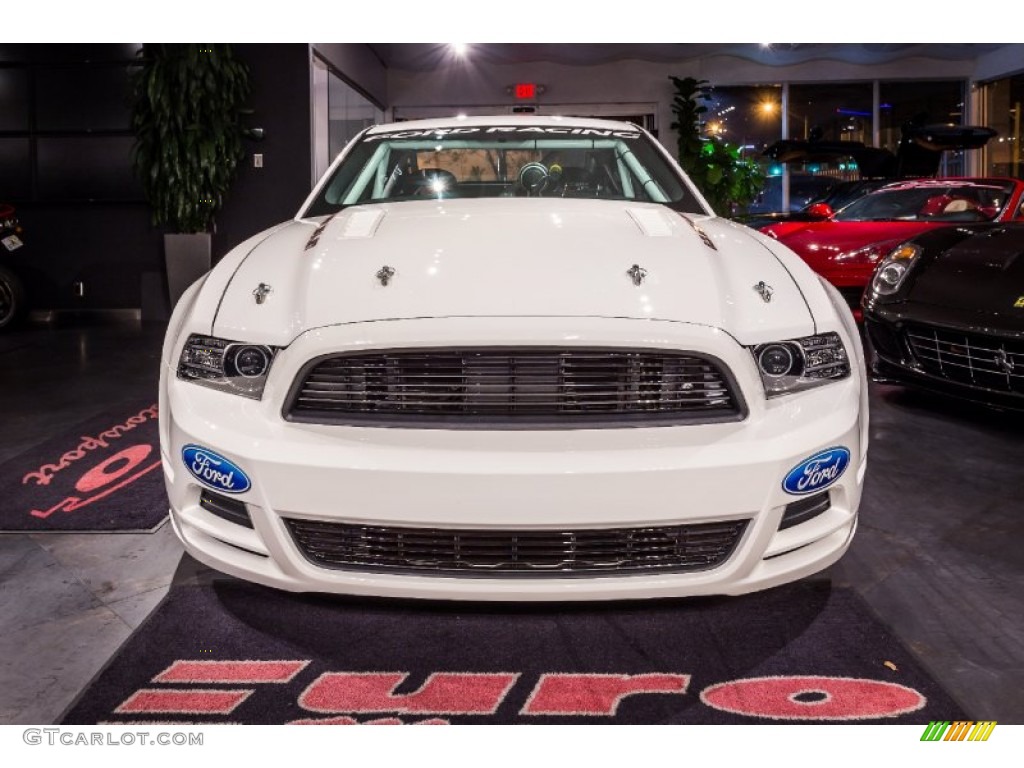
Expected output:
(468, 552)
(801, 511)
(975, 359)
(515, 388)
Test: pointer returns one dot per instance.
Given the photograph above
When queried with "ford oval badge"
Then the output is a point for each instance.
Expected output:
(213, 470)
(818, 472)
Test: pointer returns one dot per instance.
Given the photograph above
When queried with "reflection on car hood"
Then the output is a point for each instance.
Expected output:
(514, 257)
(983, 273)
(821, 243)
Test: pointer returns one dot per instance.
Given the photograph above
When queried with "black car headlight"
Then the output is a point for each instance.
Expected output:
(893, 270)
(796, 364)
(230, 366)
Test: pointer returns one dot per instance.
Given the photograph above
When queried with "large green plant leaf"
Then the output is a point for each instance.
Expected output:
(717, 168)
(188, 102)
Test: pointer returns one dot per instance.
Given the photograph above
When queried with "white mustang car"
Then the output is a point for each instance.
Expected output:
(512, 359)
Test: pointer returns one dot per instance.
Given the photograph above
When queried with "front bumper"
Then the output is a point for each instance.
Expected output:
(892, 360)
(540, 480)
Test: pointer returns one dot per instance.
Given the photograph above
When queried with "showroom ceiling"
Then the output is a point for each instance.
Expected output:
(425, 56)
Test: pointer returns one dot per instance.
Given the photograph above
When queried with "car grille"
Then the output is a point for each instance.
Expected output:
(515, 388)
(975, 359)
(516, 553)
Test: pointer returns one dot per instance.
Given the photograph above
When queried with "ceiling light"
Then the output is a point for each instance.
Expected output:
(459, 49)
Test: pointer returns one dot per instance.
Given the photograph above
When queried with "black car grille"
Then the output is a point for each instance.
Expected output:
(474, 552)
(974, 359)
(515, 388)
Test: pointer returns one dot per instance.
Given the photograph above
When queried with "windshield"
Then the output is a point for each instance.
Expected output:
(939, 201)
(497, 161)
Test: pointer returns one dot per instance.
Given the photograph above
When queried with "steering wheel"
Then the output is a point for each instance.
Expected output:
(533, 177)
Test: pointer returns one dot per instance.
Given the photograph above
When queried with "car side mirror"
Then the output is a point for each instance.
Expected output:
(820, 210)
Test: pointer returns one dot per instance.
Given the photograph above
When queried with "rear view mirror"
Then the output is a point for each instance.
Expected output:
(820, 210)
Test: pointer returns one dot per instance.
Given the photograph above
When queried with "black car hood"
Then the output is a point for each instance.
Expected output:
(982, 272)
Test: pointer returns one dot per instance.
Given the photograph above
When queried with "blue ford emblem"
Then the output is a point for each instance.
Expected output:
(214, 470)
(818, 472)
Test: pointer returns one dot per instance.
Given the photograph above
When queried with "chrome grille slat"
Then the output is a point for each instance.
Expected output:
(523, 553)
(974, 359)
(515, 387)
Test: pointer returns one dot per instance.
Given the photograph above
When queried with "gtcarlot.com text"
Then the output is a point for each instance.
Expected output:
(80, 738)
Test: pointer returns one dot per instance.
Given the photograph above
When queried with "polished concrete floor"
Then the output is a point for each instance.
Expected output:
(938, 555)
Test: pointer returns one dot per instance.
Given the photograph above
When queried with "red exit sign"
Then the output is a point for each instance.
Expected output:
(525, 91)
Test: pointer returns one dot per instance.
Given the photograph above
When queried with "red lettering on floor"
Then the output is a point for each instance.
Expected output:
(813, 698)
(203, 671)
(102, 474)
(188, 701)
(596, 695)
(443, 693)
(72, 503)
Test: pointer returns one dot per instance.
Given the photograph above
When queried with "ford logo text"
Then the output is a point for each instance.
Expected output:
(214, 471)
(818, 472)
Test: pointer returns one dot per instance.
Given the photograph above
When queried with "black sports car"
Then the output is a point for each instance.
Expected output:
(945, 311)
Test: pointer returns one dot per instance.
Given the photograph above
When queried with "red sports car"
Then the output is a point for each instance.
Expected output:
(845, 246)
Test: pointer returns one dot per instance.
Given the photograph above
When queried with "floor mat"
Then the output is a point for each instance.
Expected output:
(239, 653)
(101, 475)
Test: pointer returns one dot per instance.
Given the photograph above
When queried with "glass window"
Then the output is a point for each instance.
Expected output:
(349, 112)
(501, 161)
(1003, 100)
(921, 102)
(830, 111)
(749, 117)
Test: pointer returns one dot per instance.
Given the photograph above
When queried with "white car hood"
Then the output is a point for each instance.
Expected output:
(510, 257)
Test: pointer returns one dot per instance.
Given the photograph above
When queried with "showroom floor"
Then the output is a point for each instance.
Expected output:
(937, 556)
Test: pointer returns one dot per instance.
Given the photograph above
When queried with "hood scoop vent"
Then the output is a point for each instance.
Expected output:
(362, 224)
(354, 225)
(652, 222)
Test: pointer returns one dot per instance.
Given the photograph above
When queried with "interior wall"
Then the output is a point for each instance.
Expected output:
(1008, 60)
(360, 66)
(280, 76)
(65, 163)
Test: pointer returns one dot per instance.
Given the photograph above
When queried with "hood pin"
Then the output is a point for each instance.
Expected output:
(637, 274)
(765, 291)
(261, 292)
(384, 274)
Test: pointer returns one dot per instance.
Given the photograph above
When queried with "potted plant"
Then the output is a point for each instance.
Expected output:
(727, 180)
(186, 117)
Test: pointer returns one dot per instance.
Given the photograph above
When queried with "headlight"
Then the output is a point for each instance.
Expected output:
(789, 366)
(893, 271)
(229, 366)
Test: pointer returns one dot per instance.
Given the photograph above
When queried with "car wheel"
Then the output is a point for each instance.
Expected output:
(13, 301)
